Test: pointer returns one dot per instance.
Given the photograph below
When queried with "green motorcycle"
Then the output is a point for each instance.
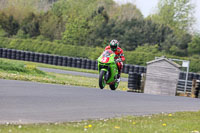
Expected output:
(108, 70)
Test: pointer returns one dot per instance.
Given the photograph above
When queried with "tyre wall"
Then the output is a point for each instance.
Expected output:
(134, 71)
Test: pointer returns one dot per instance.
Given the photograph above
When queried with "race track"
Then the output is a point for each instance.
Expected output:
(91, 75)
(30, 102)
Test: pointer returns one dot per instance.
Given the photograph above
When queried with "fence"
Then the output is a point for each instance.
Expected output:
(182, 78)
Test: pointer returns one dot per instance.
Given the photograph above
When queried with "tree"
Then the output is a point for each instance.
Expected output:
(9, 24)
(124, 12)
(194, 45)
(177, 14)
(22, 7)
(146, 48)
(76, 31)
(52, 26)
(31, 25)
(19, 9)
(2, 32)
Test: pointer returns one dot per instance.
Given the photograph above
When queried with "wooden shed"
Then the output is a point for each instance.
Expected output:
(162, 77)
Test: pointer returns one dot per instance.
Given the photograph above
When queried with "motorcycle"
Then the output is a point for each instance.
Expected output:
(108, 70)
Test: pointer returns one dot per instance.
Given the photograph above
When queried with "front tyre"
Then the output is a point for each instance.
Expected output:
(114, 86)
(102, 82)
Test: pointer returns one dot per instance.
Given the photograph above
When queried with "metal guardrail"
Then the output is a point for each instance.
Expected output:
(181, 86)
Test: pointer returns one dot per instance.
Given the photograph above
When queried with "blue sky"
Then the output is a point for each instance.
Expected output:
(149, 6)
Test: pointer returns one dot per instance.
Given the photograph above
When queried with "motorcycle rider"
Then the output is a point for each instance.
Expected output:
(114, 46)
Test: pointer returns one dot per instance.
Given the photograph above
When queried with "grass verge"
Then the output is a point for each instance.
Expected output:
(181, 122)
(18, 70)
(57, 67)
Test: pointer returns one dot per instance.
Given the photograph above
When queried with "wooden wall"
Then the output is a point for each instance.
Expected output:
(161, 78)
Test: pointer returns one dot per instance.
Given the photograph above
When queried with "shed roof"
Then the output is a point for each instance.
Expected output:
(165, 59)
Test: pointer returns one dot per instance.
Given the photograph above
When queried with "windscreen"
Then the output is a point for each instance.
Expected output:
(107, 53)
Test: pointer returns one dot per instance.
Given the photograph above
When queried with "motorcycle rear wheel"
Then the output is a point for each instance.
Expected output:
(102, 82)
(114, 86)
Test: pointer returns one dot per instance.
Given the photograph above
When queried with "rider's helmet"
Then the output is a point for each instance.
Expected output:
(114, 44)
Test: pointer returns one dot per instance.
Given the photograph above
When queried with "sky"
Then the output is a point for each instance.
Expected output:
(148, 7)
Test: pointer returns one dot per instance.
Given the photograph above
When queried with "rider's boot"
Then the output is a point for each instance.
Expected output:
(118, 77)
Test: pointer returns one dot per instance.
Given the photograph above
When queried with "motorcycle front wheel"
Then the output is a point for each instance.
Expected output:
(102, 82)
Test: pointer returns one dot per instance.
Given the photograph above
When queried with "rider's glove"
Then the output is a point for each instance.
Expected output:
(119, 60)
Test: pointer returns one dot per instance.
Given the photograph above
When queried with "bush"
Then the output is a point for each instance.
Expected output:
(138, 57)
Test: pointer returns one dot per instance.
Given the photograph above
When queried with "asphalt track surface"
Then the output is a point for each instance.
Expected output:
(74, 73)
(31, 102)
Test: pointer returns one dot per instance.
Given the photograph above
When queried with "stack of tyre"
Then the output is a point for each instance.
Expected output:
(125, 68)
(74, 62)
(5, 53)
(133, 68)
(48, 59)
(191, 76)
(134, 81)
(197, 90)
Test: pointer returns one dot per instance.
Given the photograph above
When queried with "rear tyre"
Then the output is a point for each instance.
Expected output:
(114, 86)
(102, 82)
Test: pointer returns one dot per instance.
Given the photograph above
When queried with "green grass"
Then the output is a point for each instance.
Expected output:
(10, 66)
(182, 122)
(19, 70)
(57, 67)
(185, 122)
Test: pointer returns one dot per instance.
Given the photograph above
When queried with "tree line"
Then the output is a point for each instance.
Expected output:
(139, 56)
(93, 23)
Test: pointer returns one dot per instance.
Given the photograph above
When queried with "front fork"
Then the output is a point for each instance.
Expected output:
(107, 74)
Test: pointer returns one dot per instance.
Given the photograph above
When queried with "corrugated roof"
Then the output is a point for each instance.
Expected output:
(169, 61)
